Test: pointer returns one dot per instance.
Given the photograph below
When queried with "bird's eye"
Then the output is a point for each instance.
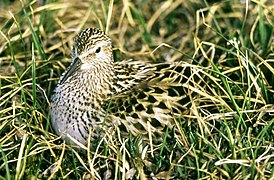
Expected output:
(98, 50)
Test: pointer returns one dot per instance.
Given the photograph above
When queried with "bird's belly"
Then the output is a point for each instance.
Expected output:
(72, 120)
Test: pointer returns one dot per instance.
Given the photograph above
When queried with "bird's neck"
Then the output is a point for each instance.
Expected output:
(102, 79)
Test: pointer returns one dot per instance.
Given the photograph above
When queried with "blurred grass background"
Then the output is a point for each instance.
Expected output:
(228, 132)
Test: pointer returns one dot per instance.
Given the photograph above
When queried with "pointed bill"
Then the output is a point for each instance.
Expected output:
(72, 69)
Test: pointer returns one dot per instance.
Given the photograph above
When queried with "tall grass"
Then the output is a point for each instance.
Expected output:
(228, 130)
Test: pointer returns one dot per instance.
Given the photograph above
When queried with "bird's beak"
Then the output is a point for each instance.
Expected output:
(76, 64)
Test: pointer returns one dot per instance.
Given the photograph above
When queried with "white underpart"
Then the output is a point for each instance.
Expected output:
(86, 66)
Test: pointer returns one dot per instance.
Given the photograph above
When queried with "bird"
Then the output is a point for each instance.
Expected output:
(136, 96)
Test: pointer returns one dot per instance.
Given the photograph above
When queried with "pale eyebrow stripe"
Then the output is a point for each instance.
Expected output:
(92, 50)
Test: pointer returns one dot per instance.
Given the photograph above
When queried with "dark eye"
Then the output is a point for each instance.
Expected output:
(98, 50)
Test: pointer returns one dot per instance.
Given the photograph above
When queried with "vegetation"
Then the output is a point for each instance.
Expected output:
(228, 132)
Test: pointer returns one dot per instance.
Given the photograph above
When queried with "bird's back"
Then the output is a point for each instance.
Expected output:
(148, 97)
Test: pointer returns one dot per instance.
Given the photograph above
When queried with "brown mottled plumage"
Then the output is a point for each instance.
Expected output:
(134, 93)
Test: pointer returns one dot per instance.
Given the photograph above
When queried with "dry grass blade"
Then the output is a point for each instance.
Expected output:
(227, 130)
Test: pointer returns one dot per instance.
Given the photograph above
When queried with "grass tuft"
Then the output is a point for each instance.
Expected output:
(227, 132)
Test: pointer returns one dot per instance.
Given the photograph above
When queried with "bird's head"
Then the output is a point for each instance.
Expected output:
(91, 51)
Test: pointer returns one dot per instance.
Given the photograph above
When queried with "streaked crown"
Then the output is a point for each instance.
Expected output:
(87, 39)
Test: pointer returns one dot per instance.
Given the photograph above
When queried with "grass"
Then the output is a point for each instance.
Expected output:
(228, 132)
